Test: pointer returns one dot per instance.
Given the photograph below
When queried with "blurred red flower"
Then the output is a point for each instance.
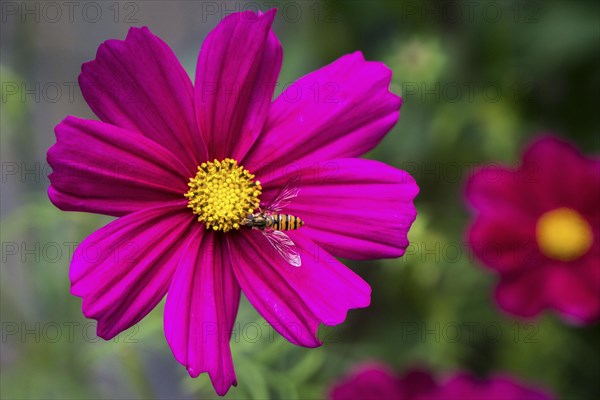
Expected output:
(538, 227)
(376, 382)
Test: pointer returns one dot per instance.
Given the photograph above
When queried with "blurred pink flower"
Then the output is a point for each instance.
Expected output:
(376, 382)
(538, 227)
(149, 160)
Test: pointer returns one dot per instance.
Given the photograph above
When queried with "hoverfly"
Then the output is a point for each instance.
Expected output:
(271, 223)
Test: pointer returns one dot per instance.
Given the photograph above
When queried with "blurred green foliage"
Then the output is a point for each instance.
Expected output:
(432, 307)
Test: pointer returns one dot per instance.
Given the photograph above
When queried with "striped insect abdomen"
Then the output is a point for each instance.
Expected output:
(286, 222)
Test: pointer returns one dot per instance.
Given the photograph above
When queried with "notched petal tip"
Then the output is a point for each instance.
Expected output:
(364, 302)
(218, 382)
(104, 332)
(69, 120)
(138, 30)
(191, 371)
(546, 146)
(249, 15)
(411, 187)
(270, 14)
(295, 301)
(270, 11)
(380, 69)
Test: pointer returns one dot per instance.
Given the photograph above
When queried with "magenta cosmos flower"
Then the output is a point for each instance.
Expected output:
(376, 382)
(538, 227)
(184, 165)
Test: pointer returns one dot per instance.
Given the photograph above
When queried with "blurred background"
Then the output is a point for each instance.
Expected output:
(479, 80)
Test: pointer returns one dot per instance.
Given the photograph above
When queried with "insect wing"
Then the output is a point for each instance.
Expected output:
(284, 246)
(287, 193)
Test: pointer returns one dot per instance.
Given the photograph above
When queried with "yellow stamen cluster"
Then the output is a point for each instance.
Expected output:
(222, 194)
(563, 234)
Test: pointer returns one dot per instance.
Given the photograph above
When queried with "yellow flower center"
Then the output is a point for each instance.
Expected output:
(222, 194)
(563, 234)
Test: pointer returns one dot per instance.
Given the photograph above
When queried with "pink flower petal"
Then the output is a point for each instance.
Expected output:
(139, 84)
(588, 268)
(523, 294)
(369, 382)
(461, 386)
(341, 110)
(576, 299)
(201, 308)
(354, 208)
(417, 382)
(294, 300)
(236, 75)
(497, 189)
(123, 270)
(563, 177)
(374, 381)
(503, 242)
(506, 387)
(100, 168)
(466, 387)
